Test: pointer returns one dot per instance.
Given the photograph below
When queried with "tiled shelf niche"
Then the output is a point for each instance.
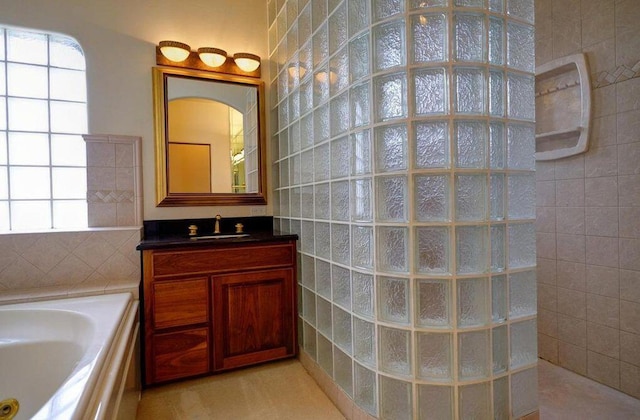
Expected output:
(563, 108)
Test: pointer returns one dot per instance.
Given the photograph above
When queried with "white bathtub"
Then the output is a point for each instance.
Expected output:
(67, 358)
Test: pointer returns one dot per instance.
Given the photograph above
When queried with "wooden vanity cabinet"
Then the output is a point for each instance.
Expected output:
(210, 309)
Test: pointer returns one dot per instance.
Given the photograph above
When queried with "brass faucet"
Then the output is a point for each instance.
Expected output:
(216, 228)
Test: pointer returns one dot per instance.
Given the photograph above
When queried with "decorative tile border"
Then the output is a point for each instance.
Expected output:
(105, 196)
(615, 75)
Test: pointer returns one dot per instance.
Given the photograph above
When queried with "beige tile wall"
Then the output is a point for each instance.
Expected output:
(588, 206)
(114, 180)
(38, 265)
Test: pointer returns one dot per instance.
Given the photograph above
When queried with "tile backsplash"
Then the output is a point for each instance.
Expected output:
(69, 263)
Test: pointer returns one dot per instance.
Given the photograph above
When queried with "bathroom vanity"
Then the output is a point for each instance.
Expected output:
(213, 304)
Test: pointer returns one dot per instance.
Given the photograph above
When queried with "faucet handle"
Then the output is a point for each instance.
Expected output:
(193, 230)
(216, 227)
(239, 227)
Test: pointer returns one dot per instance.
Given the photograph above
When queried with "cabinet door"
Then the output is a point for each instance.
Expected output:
(254, 318)
(180, 354)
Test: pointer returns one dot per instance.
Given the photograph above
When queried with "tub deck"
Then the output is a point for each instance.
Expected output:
(61, 358)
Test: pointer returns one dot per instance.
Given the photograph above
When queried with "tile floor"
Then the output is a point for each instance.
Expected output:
(564, 395)
(280, 390)
(284, 391)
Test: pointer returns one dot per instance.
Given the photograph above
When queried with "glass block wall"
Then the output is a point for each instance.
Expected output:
(403, 133)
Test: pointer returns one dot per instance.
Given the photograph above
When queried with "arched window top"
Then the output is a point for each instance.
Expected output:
(34, 47)
(43, 114)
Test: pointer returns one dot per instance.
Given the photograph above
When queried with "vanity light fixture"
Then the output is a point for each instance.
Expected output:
(212, 57)
(246, 61)
(174, 50)
(178, 54)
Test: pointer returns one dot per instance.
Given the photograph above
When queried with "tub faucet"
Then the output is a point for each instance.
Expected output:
(216, 228)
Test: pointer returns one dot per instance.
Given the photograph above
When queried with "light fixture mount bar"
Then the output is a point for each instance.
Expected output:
(193, 62)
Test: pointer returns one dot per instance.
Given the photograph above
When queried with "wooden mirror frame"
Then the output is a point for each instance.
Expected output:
(164, 198)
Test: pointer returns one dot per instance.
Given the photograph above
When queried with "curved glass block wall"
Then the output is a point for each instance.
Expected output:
(404, 155)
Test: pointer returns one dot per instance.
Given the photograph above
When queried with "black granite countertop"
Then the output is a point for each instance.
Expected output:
(160, 234)
(187, 241)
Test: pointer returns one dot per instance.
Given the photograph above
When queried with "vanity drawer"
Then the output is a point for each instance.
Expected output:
(179, 354)
(180, 302)
(213, 260)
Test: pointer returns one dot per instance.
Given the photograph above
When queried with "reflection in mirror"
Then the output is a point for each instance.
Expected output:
(189, 167)
(202, 121)
(209, 152)
(202, 113)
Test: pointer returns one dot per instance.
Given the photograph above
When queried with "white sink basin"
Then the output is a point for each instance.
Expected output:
(232, 235)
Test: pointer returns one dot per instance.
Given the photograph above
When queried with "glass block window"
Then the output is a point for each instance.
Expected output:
(43, 114)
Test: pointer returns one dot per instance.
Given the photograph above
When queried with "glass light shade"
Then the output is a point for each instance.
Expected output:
(322, 77)
(174, 51)
(247, 62)
(212, 57)
(297, 71)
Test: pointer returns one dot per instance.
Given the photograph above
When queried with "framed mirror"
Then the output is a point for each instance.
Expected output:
(209, 138)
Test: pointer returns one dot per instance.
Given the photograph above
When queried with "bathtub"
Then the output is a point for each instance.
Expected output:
(68, 358)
